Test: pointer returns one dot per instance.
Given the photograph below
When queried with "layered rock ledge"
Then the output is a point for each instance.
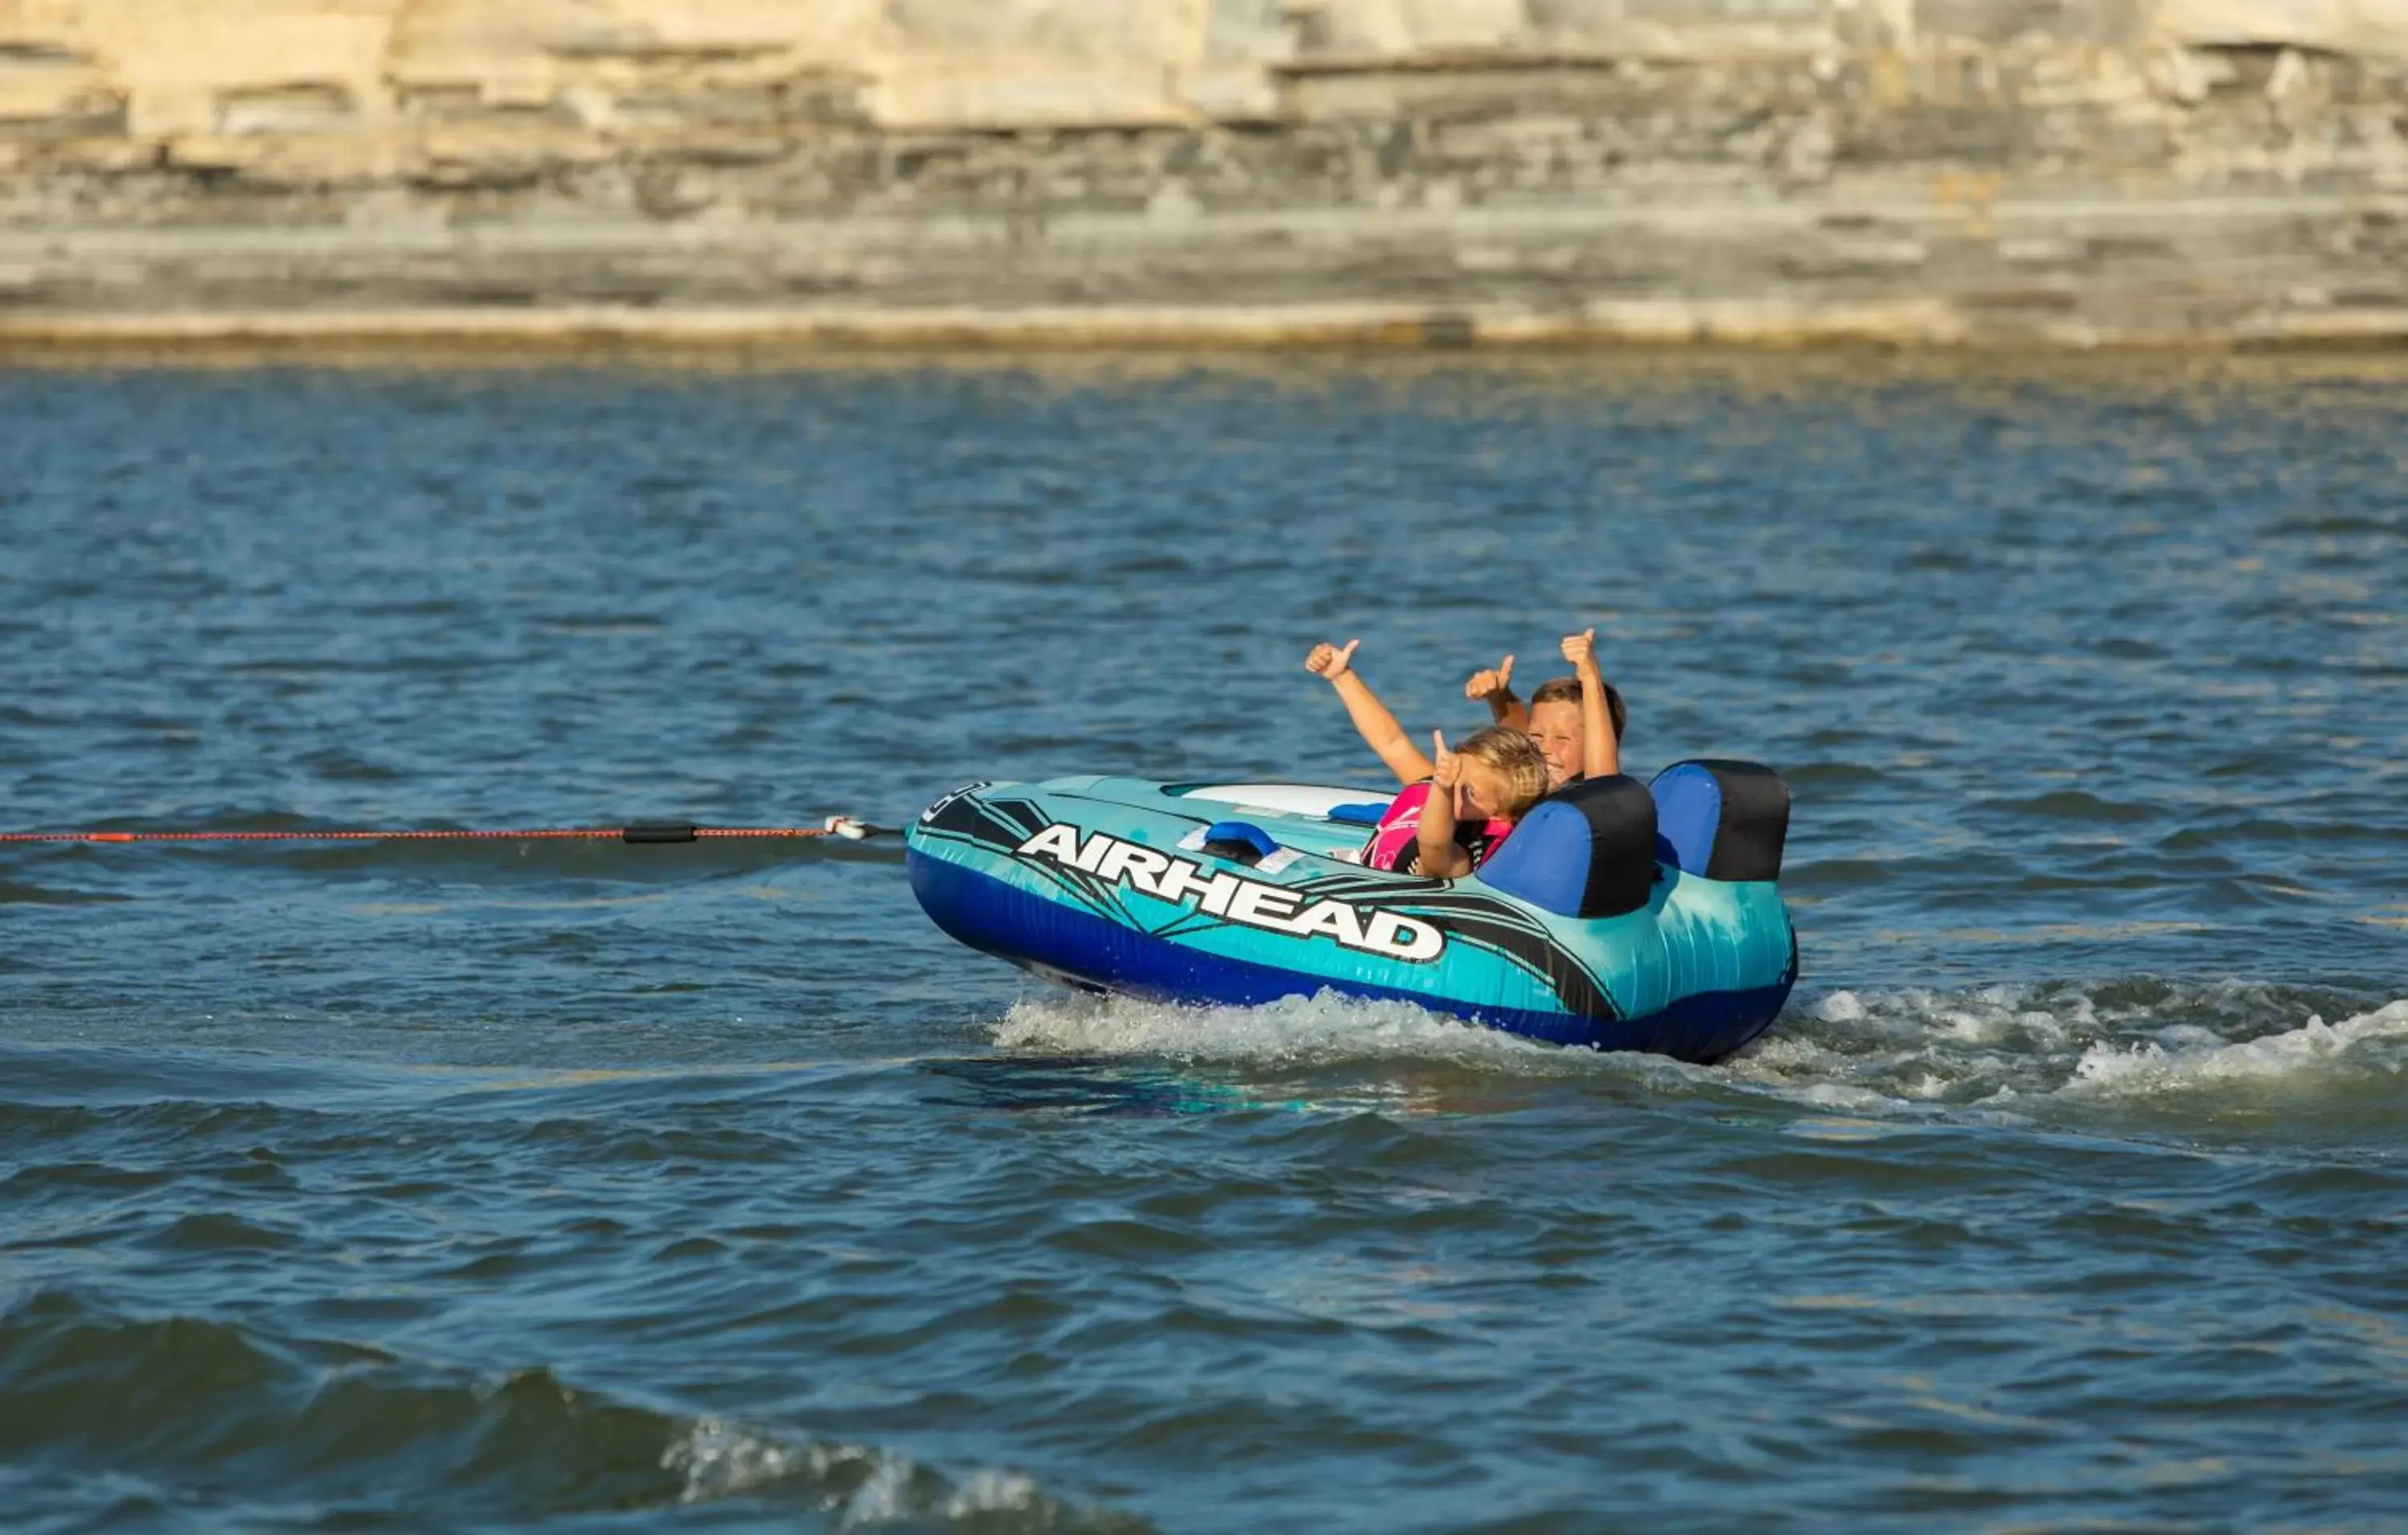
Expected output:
(2068, 172)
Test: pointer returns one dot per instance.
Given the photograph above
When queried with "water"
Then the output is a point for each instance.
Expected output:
(536, 1185)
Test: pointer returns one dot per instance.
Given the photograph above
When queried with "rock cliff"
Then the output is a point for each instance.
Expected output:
(2062, 171)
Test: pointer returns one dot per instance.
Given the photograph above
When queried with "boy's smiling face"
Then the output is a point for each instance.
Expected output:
(1555, 726)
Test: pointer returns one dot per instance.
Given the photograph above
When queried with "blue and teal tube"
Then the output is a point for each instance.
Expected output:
(1618, 916)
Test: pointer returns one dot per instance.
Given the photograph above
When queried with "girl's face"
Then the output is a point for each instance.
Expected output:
(1483, 789)
(1555, 726)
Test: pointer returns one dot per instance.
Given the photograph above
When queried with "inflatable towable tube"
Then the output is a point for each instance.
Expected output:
(1619, 915)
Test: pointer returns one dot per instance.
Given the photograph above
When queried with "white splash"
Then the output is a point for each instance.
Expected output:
(720, 1460)
(2010, 1050)
(1988, 1054)
(1325, 1029)
(993, 1492)
(2351, 1048)
(863, 1485)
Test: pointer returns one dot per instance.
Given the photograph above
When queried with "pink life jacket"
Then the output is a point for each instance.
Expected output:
(1395, 840)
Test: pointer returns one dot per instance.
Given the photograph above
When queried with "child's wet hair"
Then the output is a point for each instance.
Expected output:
(1567, 690)
(1515, 757)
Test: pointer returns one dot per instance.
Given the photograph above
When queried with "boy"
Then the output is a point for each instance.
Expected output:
(1577, 721)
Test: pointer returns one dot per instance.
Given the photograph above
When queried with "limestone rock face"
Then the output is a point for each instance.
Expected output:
(211, 68)
(2337, 26)
(237, 66)
(1930, 169)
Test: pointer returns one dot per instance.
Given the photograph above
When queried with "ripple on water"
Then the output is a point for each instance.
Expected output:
(233, 1422)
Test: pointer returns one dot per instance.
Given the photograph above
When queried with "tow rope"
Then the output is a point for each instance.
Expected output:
(842, 827)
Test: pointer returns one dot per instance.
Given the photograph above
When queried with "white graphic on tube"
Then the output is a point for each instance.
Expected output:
(1233, 898)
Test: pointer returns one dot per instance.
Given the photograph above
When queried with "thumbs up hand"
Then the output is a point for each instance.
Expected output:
(1449, 771)
(1330, 663)
(1489, 684)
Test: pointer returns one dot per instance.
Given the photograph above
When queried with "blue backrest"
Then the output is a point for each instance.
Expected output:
(1688, 813)
(1585, 851)
(1720, 819)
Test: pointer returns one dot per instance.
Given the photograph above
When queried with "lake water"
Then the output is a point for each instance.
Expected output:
(528, 1185)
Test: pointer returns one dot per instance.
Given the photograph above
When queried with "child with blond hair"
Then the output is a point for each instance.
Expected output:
(1457, 807)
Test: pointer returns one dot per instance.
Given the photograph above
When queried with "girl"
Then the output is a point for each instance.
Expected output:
(1454, 812)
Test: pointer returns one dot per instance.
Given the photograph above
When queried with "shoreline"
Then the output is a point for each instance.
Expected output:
(1897, 326)
(1990, 176)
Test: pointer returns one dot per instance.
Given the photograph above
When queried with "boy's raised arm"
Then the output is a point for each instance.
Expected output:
(1494, 688)
(1378, 727)
(1603, 751)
